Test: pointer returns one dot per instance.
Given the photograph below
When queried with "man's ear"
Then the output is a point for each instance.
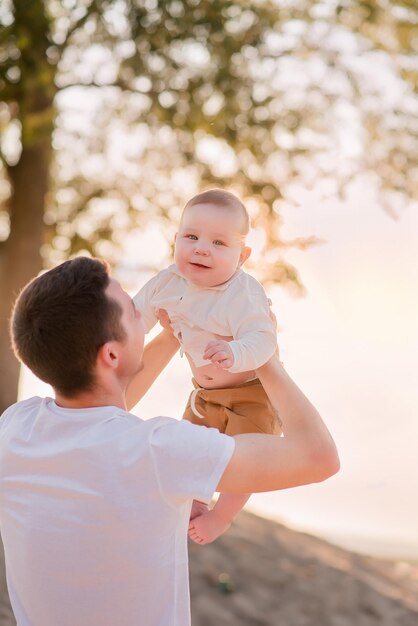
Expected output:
(109, 354)
(246, 251)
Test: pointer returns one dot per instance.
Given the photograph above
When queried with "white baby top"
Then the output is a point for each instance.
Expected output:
(94, 509)
(237, 308)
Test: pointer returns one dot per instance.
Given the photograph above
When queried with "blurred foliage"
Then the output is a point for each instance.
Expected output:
(147, 101)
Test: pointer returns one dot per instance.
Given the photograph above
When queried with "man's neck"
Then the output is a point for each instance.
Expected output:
(91, 399)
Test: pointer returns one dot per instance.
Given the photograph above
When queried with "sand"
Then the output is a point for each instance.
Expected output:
(262, 573)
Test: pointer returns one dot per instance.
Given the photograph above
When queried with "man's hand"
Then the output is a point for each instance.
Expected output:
(164, 320)
(219, 353)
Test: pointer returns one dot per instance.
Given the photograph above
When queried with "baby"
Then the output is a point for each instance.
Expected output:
(221, 317)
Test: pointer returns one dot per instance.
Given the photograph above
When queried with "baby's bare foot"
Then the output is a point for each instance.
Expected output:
(207, 527)
(198, 508)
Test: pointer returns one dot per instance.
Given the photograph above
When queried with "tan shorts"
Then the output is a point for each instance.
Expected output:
(234, 411)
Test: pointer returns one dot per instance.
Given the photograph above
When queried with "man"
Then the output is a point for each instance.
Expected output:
(94, 502)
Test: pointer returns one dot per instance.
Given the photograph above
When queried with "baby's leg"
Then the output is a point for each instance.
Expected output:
(209, 525)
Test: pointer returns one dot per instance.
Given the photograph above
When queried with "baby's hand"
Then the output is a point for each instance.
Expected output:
(219, 353)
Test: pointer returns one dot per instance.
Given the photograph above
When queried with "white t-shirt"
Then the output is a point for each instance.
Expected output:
(94, 509)
(238, 308)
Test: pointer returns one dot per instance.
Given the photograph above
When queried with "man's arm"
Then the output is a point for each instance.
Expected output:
(306, 454)
(157, 354)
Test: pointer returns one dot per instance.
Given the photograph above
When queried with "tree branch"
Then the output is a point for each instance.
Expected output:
(117, 83)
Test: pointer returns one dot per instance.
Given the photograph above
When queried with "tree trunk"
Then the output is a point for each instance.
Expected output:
(31, 101)
(20, 257)
(20, 260)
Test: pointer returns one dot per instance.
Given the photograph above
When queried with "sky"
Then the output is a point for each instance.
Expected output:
(351, 344)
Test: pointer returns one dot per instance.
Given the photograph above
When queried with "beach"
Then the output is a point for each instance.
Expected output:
(261, 573)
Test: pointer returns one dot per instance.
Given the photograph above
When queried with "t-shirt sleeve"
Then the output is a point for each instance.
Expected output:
(189, 460)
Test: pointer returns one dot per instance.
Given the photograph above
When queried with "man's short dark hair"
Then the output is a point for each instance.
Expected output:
(61, 319)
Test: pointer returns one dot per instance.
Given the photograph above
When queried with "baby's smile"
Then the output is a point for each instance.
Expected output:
(206, 267)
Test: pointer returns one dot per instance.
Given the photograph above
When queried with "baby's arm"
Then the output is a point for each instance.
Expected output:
(255, 340)
(254, 330)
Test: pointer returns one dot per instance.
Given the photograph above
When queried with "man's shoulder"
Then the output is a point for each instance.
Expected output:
(22, 406)
(19, 411)
(168, 437)
(172, 428)
(163, 424)
(186, 439)
(163, 436)
(147, 427)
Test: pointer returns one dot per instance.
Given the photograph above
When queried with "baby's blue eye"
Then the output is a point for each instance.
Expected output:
(218, 243)
(191, 237)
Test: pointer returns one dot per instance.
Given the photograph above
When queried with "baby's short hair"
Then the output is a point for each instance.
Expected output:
(222, 199)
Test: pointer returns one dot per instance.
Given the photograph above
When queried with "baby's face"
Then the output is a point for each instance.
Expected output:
(209, 246)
